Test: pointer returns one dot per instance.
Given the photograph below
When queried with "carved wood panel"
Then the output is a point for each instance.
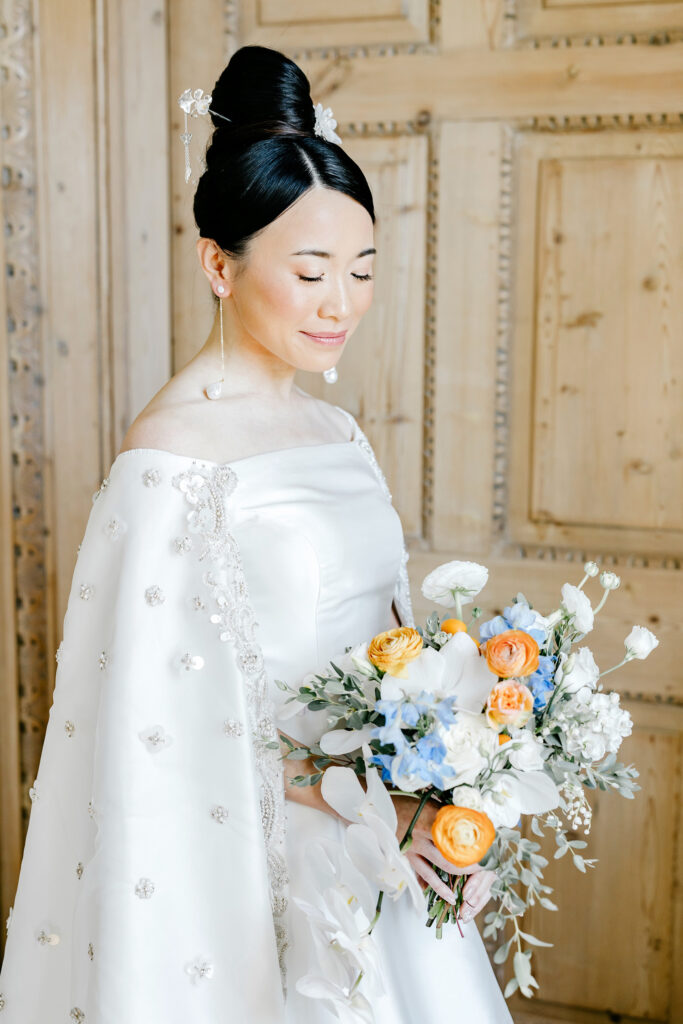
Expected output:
(487, 130)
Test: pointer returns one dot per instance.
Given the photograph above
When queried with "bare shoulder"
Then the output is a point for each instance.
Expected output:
(158, 428)
(329, 414)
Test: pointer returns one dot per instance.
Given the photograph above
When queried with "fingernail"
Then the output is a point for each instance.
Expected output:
(466, 915)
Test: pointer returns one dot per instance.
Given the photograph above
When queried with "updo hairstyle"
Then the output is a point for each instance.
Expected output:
(267, 155)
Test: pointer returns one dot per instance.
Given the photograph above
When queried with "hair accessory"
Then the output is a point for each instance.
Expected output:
(325, 123)
(214, 389)
(330, 375)
(194, 102)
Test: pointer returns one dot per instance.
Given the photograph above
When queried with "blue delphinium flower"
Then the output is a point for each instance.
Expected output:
(391, 731)
(541, 682)
(515, 616)
(423, 757)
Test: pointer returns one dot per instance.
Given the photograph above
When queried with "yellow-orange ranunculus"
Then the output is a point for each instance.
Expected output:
(453, 626)
(510, 703)
(462, 835)
(391, 650)
(511, 653)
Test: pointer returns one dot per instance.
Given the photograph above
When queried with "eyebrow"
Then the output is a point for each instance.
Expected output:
(328, 255)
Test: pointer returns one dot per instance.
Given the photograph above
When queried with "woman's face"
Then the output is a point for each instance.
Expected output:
(308, 274)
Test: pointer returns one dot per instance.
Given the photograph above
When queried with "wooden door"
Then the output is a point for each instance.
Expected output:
(519, 373)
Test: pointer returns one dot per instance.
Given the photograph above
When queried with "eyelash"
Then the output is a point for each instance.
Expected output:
(358, 277)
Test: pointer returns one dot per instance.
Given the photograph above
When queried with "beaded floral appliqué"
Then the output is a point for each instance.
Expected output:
(207, 490)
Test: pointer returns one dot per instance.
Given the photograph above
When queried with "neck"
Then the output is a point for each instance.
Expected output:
(249, 367)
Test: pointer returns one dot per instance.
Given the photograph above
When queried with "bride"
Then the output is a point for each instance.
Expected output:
(234, 542)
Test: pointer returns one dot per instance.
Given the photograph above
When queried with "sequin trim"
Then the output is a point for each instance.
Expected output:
(207, 490)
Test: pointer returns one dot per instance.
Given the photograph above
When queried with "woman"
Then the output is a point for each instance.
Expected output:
(235, 541)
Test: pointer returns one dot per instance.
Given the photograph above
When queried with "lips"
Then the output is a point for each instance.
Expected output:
(327, 338)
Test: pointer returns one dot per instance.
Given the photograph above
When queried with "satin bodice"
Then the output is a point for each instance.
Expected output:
(321, 549)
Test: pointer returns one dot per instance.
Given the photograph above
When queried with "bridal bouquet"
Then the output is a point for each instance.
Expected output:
(506, 730)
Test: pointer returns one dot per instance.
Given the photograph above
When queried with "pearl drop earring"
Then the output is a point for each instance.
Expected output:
(214, 390)
(330, 375)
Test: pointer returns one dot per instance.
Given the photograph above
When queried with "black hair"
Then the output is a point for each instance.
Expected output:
(267, 154)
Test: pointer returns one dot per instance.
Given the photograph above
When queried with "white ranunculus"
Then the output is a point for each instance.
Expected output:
(457, 668)
(525, 751)
(470, 744)
(640, 642)
(576, 603)
(576, 670)
(463, 578)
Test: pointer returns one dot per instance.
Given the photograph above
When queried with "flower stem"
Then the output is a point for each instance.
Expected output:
(423, 800)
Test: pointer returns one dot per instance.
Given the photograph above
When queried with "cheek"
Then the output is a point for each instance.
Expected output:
(286, 300)
(363, 298)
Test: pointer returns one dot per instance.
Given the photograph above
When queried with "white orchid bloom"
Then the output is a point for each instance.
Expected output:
(345, 741)
(329, 865)
(371, 840)
(458, 668)
(350, 1010)
(341, 789)
(374, 849)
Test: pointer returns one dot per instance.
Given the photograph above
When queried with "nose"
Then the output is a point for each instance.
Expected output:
(336, 302)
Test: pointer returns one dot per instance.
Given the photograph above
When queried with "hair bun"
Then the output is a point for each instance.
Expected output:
(262, 87)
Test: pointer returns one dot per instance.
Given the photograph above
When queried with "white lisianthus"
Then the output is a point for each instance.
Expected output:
(524, 751)
(576, 604)
(463, 578)
(470, 745)
(576, 670)
(509, 795)
(640, 642)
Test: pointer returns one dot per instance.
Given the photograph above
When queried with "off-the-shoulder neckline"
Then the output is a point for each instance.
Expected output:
(246, 458)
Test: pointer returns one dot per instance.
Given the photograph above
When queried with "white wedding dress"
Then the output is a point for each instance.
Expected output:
(161, 859)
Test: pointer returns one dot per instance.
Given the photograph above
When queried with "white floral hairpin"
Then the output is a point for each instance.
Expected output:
(196, 103)
(325, 123)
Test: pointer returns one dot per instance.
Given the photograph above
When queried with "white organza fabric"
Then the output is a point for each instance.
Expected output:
(161, 855)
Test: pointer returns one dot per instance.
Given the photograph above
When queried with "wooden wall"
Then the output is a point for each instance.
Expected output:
(519, 372)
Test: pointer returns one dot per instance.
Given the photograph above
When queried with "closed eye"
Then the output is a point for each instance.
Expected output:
(358, 277)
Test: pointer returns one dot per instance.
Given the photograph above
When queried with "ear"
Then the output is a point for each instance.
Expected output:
(216, 265)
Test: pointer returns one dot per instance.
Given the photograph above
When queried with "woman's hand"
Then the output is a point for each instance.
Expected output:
(423, 854)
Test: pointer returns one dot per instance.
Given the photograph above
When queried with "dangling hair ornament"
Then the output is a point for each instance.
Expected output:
(325, 123)
(194, 102)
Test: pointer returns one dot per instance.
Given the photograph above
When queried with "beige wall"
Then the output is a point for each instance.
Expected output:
(519, 372)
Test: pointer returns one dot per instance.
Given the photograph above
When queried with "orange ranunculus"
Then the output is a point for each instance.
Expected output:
(391, 650)
(462, 835)
(511, 653)
(503, 738)
(510, 703)
(453, 626)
